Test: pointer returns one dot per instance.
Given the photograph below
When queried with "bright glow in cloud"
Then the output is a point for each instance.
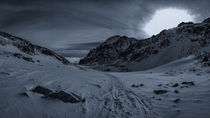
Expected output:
(165, 19)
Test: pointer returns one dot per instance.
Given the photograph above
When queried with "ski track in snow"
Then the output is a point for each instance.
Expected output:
(116, 100)
(110, 99)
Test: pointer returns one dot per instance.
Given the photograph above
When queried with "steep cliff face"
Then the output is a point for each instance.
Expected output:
(185, 40)
(23, 49)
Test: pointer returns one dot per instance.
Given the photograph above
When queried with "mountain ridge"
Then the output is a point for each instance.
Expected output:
(27, 48)
(182, 41)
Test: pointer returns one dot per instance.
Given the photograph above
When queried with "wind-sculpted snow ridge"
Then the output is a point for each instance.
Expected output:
(169, 45)
(8, 44)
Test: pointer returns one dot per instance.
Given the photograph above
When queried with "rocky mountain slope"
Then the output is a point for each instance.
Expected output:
(169, 45)
(109, 51)
(23, 49)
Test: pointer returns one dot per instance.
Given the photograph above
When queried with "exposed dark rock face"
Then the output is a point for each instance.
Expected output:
(160, 91)
(175, 85)
(136, 86)
(177, 100)
(188, 83)
(176, 91)
(28, 48)
(128, 54)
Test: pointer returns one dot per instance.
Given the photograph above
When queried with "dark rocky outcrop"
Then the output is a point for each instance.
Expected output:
(41, 90)
(176, 91)
(185, 23)
(188, 83)
(20, 56)
(17, 55)
(177, 100)
(136, 86)
(160, 91)
(175, 85)
(60, 95)
(23, 45)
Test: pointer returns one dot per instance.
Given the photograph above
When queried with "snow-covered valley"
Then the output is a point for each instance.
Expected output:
(36, 82)
(106, 94)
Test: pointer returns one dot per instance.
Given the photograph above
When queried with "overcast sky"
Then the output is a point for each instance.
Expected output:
(59, 23)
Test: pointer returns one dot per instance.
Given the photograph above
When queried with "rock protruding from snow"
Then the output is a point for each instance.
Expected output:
(41, 90)
(65, 97)
(27, 48)
(169, 45)
(61, 95)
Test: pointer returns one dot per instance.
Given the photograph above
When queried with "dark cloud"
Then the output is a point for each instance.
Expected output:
(58, 23)
(78, 49)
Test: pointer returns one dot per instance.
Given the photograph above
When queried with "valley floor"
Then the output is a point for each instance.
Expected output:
(185, 91)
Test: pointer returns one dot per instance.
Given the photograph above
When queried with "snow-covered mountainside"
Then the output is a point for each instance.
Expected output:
(37, 83)
(169, 45)
(20, 48)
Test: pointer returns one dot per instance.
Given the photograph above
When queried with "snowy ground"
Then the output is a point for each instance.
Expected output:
(106, 94)
(194, 100)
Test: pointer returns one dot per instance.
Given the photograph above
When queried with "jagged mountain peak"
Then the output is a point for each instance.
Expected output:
(110, 50)
(118, 38)
(185, 23)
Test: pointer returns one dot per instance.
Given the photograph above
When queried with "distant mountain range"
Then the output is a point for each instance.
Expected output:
(120, 53)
